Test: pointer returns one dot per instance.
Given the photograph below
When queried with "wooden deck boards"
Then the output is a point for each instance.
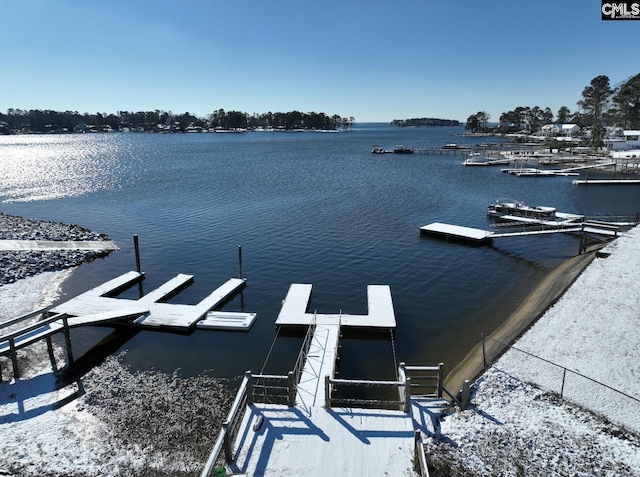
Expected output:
(380, 313)
(227, 320)
(167, 289)
(168, 315)
(95, 306)
(321, 359)
(457, 231)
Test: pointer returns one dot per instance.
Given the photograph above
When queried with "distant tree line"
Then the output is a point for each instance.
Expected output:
(287, 121)
(35, 120)
(601, 106)
(422, 122)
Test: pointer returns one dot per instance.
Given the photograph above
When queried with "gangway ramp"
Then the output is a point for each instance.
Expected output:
(310, 437)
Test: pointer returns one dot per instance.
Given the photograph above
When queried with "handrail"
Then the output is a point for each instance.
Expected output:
(34, 326)
(224, 438)
(13, 321)
(420, 455)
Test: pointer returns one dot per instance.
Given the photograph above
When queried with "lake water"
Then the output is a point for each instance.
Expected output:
(307, 208)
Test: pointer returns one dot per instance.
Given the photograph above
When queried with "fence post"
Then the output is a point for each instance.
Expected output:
(291, 386)
(228, 452)
(407, 395)
(484, 354)
(14, 359)
(417, 441)
(564, 375)
(249, 377)
(466, 391)
(67, 338)
(327, 391)
(440, 379)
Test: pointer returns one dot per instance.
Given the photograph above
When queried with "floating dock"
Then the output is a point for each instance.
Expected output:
(294, 311)
(480, 236)
(458, 232)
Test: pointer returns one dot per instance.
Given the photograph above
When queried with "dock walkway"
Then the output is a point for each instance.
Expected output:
(311, 437)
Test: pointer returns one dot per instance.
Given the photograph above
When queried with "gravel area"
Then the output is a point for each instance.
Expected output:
(16, 265)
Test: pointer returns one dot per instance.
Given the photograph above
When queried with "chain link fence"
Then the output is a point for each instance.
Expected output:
(615, 405)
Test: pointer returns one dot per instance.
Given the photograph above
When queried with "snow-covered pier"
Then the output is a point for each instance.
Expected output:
(98, 306)
(303, 431)
(481, 236)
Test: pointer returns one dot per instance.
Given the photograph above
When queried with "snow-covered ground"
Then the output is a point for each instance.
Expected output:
(108, 422)
(519, 425)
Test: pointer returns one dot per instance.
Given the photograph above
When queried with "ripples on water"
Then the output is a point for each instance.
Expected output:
(310, 208)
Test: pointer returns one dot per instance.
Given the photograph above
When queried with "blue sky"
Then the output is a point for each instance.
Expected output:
(373, 60)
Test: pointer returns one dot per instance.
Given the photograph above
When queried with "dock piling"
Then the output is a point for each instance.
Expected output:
(136, 247)
(240, 261)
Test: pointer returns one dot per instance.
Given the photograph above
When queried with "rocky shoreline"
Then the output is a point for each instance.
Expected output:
(15, 265)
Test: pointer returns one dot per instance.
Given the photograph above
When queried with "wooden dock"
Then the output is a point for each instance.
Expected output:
(480, 236)
(99, 306)
(294, 311)
(458, 232)
(306, 432)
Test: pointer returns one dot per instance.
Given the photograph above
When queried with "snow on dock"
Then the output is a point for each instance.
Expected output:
(457, 232)
(99, 306)
(310, 437)
(380, 314)
(168, 315)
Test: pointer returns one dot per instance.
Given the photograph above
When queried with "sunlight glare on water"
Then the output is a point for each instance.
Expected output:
(47, 167)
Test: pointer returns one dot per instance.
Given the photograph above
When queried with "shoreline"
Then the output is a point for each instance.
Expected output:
(541, 298)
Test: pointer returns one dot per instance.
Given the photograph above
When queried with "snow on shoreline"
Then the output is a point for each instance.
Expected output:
(512, 428)
(518, 424)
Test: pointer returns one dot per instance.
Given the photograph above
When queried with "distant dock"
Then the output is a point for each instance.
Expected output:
(606, 182)
(481, 236)
(458, 232)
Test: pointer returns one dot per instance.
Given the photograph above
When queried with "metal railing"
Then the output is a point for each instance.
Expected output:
(304, 349)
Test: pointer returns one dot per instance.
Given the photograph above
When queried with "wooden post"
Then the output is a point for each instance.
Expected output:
(136, 248)
(466, 391)
(50, 351)
(407, 395)
(249, 387)
(440, 379)
(402, 383)
(417, 440)
(228, 451)
(327, 392)
(291, 387)
(239, 261)
(67, 338)
(14, 359)
(484, 354)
